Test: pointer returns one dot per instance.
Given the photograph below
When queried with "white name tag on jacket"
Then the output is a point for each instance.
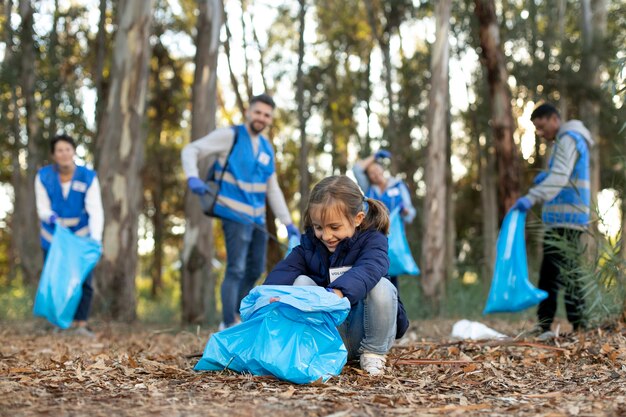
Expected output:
(264, 158)
(392, 192)
(337, 272)
(81, 187)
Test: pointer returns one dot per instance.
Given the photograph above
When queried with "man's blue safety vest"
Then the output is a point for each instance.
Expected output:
(243, 189)
(570, 207)
(71, 209)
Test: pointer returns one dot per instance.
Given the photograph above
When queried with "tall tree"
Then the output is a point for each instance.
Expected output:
(434, 245)
(502, 121)
(198, 284)
(26, 230)
(121, 149)
(594, 19)
(305, 178)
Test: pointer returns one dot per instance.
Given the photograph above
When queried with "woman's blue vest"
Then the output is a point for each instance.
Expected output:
(391, 197)
(71, 210)
(243, 189)
(570, 207)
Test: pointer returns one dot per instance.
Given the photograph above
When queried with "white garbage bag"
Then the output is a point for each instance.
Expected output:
(473, 330)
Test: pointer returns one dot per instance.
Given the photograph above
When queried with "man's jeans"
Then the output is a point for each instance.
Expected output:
(371, 324)
(245, 254)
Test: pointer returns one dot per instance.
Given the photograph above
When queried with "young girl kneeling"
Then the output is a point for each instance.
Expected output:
(344, 249)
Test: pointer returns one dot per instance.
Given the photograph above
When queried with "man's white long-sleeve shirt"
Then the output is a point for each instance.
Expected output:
(218, 144)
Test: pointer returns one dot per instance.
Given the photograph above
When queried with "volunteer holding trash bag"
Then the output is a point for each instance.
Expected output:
(245, 162)
(564, 192)
(69, 195)
(344, 249)
(393, 192)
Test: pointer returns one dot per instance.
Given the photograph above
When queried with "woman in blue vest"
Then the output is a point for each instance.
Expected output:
(393, 192)
(565, 194)
(69, 195)
(245, 166)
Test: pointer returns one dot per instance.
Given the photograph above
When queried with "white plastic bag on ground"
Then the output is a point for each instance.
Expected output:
(473, 330)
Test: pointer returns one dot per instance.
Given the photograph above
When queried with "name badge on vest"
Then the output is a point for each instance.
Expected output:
(264, 158)
(79, 186)
(337, 272)
(393, 192)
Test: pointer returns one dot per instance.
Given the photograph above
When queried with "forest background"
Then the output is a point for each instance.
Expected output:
(447, 87)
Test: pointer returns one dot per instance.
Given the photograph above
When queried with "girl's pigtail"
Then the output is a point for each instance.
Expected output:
(377, 216)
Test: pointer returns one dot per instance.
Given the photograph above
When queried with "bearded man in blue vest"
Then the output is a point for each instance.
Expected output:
(564, 190)
(245, 166)
(68, 194)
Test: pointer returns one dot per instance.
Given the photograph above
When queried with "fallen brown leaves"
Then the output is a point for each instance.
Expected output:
(132, 371)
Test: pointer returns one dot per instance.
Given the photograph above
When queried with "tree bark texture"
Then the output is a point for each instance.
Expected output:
(502, 121)
(26, 235)
(121, 150)
(434, 244)
(198, 282)
(305, 177)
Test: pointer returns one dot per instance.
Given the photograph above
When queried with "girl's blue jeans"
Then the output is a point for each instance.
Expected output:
(371, 324)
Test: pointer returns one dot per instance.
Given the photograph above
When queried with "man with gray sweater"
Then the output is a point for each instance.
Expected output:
(564, 191)
(245, 166)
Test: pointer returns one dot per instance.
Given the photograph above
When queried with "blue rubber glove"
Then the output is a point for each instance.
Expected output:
(382, 154)
(292, 231)
(197, 186)
(522, 204)
(540, 177)
(53, 218)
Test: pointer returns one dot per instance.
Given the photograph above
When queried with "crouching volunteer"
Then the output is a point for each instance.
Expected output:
(69, 195)
(344, 249)
(246, 177)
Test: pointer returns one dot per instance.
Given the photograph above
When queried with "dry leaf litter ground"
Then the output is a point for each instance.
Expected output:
(131, 370)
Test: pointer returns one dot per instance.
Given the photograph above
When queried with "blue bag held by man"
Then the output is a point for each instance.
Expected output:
(511, 290)
(70, 259)
(401, 261)
(289, 332)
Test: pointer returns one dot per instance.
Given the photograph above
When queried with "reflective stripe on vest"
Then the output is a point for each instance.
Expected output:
(570, 207)
(243, 189)
(71, 209)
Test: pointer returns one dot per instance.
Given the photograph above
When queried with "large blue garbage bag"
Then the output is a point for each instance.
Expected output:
(289, 332)
(401, 261)
(70, 259)
(293, 242)
(510, 288)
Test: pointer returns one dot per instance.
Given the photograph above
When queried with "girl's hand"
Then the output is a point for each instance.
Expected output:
(338, 292)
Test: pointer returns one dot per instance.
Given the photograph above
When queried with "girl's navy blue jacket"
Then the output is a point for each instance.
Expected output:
(365, 253)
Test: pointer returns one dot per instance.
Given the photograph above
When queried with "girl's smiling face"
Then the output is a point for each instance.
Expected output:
(331, 225)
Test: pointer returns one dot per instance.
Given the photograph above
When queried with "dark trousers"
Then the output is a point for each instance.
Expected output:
(394, 281)
(82, 312)
(559, 270)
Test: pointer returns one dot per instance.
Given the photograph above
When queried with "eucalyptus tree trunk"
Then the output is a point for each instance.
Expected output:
(99, 81)
(434, 244)
(121, 149)
(198, 282)
(26, 233)
(502, 121)
(594, 20)
(305, 178)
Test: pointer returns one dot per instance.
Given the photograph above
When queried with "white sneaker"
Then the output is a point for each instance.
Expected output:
(373, 363)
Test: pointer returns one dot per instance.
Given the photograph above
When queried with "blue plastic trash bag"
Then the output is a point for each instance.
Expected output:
(293, 338)
(70, 259)
(510, 288)
(293, 242)
(401, 261)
